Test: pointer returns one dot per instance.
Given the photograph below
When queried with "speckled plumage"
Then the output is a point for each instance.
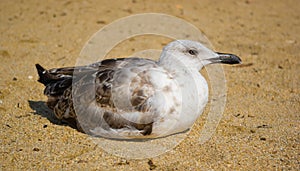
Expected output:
(134, 97)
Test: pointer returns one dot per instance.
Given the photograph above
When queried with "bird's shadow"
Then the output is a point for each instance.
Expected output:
(40, 108)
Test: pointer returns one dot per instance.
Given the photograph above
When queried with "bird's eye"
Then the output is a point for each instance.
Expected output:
(192, 52)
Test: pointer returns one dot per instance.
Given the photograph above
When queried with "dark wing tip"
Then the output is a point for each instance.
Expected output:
(45, 77)
(40, 69)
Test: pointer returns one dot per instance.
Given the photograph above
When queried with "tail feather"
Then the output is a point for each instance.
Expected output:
(45, 76)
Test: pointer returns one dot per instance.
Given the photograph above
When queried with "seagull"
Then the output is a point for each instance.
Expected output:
(134, 98)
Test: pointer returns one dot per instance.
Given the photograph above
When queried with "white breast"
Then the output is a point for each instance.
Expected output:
(179, 99)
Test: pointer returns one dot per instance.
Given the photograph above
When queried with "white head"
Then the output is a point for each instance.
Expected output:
(194, 55)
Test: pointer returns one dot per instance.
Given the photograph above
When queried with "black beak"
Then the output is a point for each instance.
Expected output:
(227, 58)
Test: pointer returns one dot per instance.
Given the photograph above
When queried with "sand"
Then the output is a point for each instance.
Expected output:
(259, 129)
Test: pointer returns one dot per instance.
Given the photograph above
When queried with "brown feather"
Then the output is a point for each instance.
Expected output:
(59, 92)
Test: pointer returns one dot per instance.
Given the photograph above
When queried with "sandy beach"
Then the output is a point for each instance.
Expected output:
(259, 128)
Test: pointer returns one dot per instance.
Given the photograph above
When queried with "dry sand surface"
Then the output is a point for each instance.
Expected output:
(259, 129)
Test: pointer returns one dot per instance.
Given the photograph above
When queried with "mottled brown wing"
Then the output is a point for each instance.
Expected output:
(59, 82)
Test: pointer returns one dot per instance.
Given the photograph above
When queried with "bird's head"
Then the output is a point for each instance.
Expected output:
(194, 54)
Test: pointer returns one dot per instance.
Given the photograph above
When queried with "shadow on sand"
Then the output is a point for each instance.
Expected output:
(41, 109)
